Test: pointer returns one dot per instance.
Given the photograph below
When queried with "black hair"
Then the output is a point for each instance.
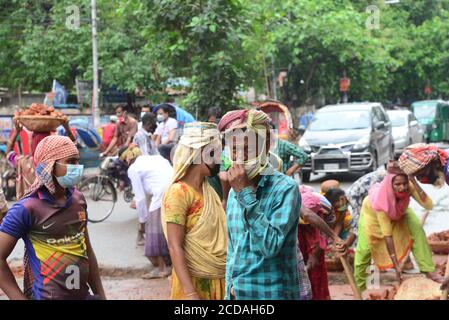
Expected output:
(166, 108)
(148, 118)
(121, 150)
(120, 107)
(214, 111)
(170, 100)
(334, 194)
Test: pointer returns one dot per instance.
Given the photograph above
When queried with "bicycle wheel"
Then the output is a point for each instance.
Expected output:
(101, 197)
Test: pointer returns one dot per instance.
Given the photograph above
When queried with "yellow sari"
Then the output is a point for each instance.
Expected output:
(205, 242)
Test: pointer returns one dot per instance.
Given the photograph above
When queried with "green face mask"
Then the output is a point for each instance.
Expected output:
(343, 208)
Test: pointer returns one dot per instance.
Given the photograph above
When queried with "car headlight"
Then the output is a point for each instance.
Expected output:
(362, 143)
(304, 145)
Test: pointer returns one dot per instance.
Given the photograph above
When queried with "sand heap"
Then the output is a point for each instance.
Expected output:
(417, 288)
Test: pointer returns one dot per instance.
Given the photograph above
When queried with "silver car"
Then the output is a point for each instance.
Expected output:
(346, 138)
(406, 129)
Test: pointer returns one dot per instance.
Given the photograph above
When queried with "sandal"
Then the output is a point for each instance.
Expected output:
(154, 274)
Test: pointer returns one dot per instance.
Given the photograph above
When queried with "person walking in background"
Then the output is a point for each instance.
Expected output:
(144, 137)
(150, 176)
(193, 219)
(51, 219)
(262, 215)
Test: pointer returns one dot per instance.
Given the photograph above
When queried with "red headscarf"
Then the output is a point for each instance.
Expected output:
(382, 198)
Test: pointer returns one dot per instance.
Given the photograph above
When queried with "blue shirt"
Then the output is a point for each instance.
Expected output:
(262, 240)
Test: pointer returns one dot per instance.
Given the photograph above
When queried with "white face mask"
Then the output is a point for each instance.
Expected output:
(254, 166)
(160, 118)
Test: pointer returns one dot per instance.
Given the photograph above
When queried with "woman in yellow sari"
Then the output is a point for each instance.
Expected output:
(193, 218)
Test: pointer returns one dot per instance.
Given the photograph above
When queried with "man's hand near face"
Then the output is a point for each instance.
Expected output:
(237, 178)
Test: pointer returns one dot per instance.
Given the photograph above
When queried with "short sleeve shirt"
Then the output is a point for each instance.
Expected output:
(164, 128)
(54, 237)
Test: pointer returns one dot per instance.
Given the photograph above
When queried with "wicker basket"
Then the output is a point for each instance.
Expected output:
(41, 123)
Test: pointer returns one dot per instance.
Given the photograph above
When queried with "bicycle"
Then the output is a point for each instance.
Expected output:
(101, 190)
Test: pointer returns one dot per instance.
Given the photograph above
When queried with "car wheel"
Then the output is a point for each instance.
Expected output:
(305, 176)
(375, 164)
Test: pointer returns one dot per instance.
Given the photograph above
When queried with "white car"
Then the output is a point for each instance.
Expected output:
(406, 129)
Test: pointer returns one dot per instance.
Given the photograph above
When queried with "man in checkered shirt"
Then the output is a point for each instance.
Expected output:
(262, 216)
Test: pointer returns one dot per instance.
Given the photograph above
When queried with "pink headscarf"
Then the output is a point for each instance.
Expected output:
(382, 198)
(312, 201)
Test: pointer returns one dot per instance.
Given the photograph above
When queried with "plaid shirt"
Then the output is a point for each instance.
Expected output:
(262, 240)
(285, 150)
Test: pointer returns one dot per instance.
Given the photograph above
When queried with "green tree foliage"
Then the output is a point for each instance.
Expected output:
(223, 46)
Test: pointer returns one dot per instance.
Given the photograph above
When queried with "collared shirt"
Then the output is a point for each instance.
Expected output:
(286, 150)
(54, 237)
(149, 175)
(145, 143)
(124, 130)
(262, 240)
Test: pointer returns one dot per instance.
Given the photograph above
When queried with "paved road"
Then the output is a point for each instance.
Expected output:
(114, 240)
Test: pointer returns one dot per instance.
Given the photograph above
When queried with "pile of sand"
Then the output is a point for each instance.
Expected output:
(417, 288)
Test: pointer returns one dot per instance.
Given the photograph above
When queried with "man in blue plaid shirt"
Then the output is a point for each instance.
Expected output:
(262, 216)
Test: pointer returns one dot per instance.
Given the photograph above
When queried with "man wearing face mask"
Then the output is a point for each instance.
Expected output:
(52, 221)
(150, 176)
(124, 133)
(144, 137)
(166, 131)
(262, 214)
(145, 109)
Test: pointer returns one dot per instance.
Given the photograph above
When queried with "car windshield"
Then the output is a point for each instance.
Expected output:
(340, 120)
(425, 111)
(397, 119)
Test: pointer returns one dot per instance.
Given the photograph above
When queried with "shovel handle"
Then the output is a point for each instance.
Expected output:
(446, 274)
(350, 277)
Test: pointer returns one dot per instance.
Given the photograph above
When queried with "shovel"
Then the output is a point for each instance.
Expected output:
(446, 274)
(350, 277)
